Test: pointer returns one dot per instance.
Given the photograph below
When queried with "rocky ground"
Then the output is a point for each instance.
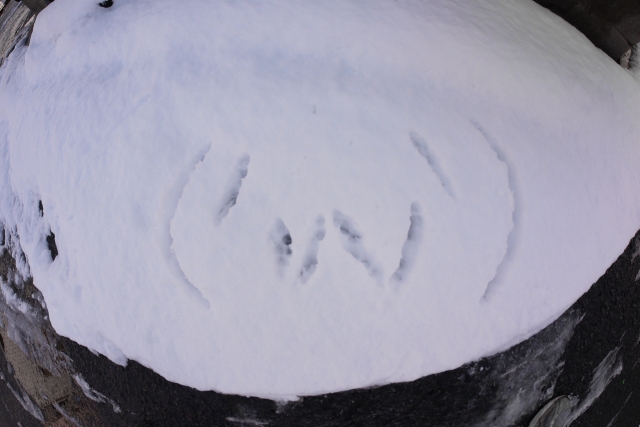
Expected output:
(590, 354)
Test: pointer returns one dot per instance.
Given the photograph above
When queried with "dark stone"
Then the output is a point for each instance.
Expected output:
(51, 244)
(611, 25)
(629, 27)
(36, 6)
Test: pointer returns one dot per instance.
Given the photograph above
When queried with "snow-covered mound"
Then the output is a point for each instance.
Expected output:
(279, 198)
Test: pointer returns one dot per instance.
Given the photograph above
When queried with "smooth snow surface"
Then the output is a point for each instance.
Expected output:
(280, 198)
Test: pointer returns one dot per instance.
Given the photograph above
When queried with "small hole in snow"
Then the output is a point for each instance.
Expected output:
(281, 239)
(51, 244)
(41, 208)
(106, 3)
(233, 188)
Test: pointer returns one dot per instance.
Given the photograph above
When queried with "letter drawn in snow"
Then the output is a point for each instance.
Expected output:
(352, 243)
(410, 247)
(513, 238)
(423, 149)
(173, 200)
(233, 189)
(310, 260)
(281, 239)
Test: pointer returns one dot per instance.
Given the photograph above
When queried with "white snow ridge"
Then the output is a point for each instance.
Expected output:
(278, 198)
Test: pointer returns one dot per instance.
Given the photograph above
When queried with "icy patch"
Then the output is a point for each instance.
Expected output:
(27, 403)
(246, 417)
(14, 302)
(609, 368)
(247, 421)
(61, 411)
(526, 384)
(94, 395)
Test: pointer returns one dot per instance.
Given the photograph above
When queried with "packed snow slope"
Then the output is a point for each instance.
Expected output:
(279, 198)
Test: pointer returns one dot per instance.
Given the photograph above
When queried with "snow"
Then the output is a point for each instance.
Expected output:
(283, 198)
